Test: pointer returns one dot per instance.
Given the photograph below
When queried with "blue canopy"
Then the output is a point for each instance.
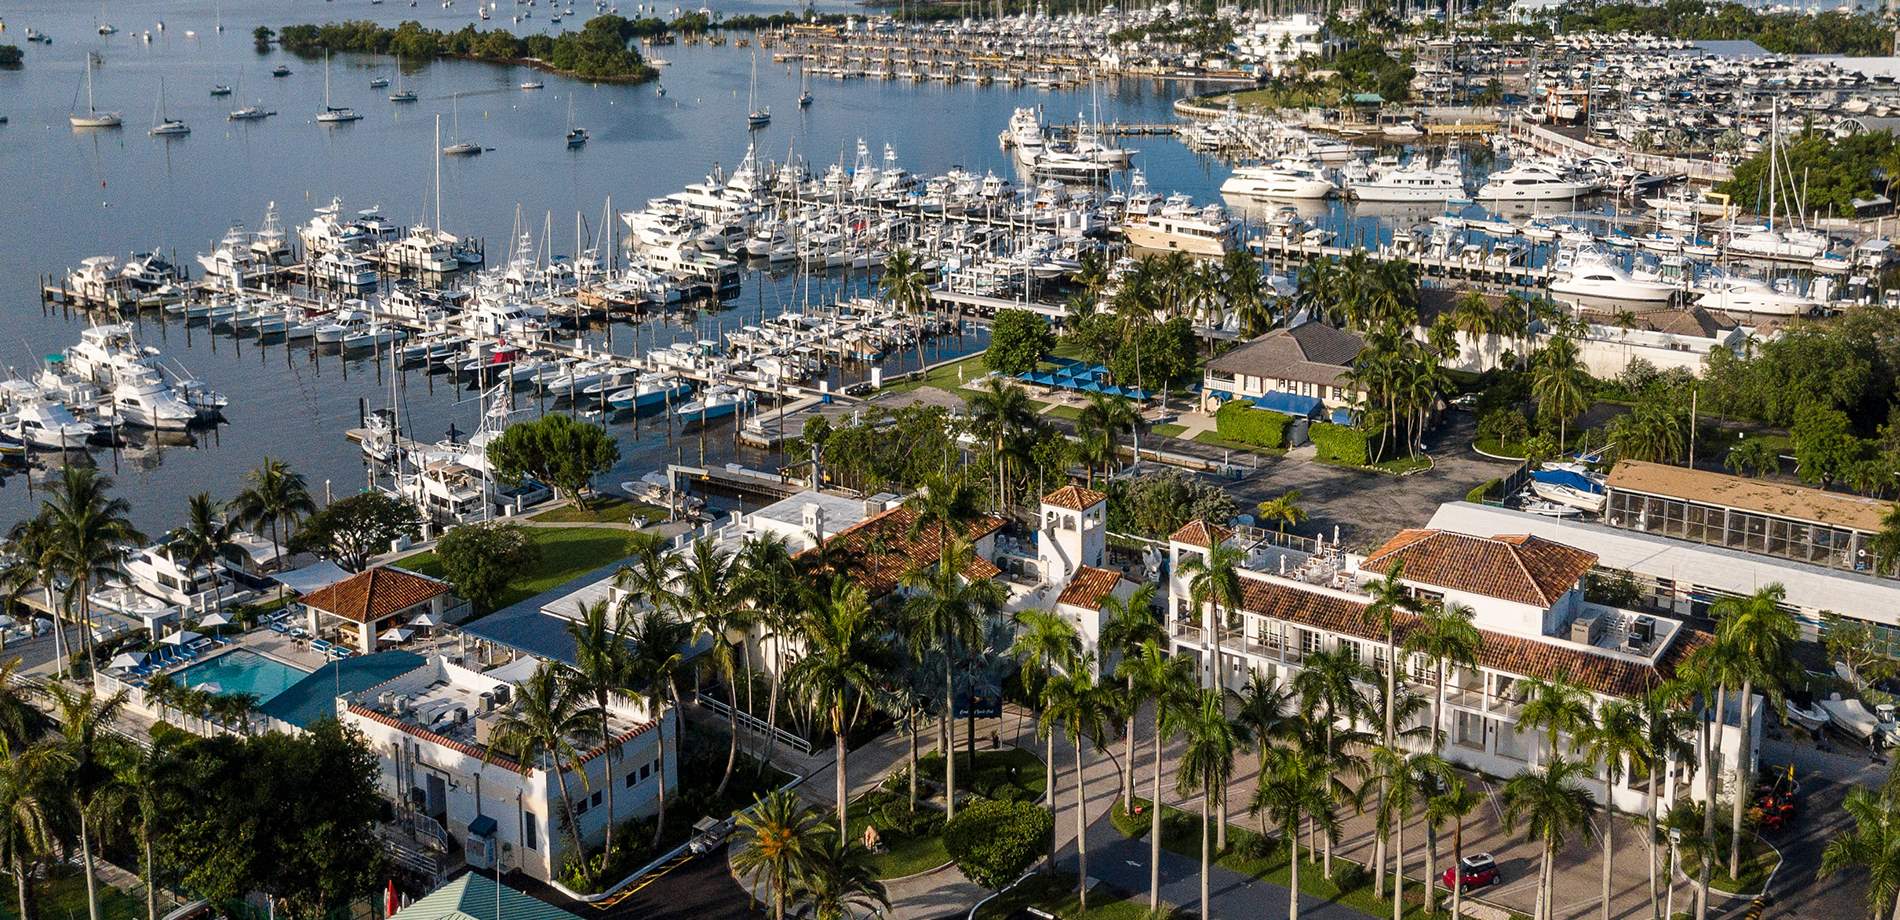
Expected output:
(1047, 380)
(1091, 387)
(1568, 479)
(1342, 416)
(1289, 403)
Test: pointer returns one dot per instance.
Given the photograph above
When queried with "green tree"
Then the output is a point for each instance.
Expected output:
(1753, 457)
(1047, 646)
(839, 662)
(1084, 709)
(1761, 634)
(1019, 340)
(91, 787)
(839, 881)
(352, 529)
(480, 560)
(659, 641)
(1130, 623)
(28, 809)
(204, 539)
(1101, 420)
(1557, 707)
(539, 731)
(1454, 803)
(1560, 385)
(1873, 846)
(556, 450)
(1824, 444)
(994, 842)
(1214, 586)
(1283, 511)
(1205, 765)
(88, 532)
(1000, 415)
(274, 495)
(1167, 684)
(777, 836)
(1550, 802)
(1445, 636)
(1618, 739)
(946, 610)
(1293, 789)
(905, 287)
(603, 667)
(708, 598)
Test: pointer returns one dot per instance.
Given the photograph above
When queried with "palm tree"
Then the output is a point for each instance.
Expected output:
(658, 641)
(1284, 511)
(27, 810)
(88, 534)
(1666, 728)
(1084, 709)
(906, 288)
(946, 505)
(1474, 316)
(1100, 421)
(838, 662)
(1164, 681)
(145, 772)
(1551, 802)
(1557, 706)
(768, 577)
(839, 882)
(777, 834)
(276, 496)
(1618, 738)
(1455, 803)
(950, 611)
(1874, 845)
(204, 539)
(1131, 624)
(708, 597)
(1761, 634)
(1214, 581)
(1704, 678)
(84, 723)
(1390, 600)
(1047, 646)
(999, 412)
(603, 666)
(1241, 287)
(31, 565)
(1205, 765)
(1329, 682)
(1558, 384)
(539, 731)
(1416, 779)
(1293, 788)
(1445, 636)
(1262, 718)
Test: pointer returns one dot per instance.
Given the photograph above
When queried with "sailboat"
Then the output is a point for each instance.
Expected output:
(756, 116)
(459, 147)
(804, 90)
(333, 114)
(401, 94)
(250, 112)
(163, 126)
(576, 136)
(93, 118)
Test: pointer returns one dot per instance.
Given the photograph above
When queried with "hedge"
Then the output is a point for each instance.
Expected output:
(1340, 443)
(994, 843)
(1483, 490)
(1239, 420)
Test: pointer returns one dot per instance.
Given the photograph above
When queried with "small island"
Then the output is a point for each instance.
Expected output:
(602, 50)
(11, 56)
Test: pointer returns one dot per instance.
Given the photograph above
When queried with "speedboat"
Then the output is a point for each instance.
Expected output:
(1731, 294)
(49, 425)
(147, 402)
(1595, 274)
(1287, 179)
(1535, 182)
(1811, 717)
(715, 403)
(652, 389)
(1571, 488)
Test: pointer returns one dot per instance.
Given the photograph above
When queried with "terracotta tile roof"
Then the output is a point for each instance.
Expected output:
(1761, 497)
(1514, 567)
(1089, 587)
(878, 551)
(1200, 533)
(376, 594)
(460, 747)
(1517, 655)
(1075, 498)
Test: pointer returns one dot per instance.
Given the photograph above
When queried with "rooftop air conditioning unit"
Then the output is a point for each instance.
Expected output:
(1586, 628)
(485, 703)
(1643, 628)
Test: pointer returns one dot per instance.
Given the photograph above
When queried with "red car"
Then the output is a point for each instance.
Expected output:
(1473, 872)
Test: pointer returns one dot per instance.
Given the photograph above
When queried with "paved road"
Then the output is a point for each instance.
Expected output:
(699, 888)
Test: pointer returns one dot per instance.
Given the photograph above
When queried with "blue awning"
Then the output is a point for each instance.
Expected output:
(1047, 380)
(1568, 479)
(1342, 416)
(482, 826)
(1289, 403)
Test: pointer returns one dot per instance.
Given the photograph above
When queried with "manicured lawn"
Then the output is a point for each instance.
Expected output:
(64, 896)
(1010, 773)
(1758, 861)
(566, 553)
(1069, 412)
(904, 853)
(1497, 448)
(1056, 894)
(1214, 439)
(1181, 833)
(609, 510)
(1169, 430)
(944, 378)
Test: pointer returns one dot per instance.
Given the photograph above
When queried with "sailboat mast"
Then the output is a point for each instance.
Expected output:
(438, 172)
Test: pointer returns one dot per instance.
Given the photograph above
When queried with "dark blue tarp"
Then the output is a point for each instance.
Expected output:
(1568, 479)
(1289, 403)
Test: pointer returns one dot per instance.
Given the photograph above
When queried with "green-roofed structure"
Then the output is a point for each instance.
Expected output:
(472, 897)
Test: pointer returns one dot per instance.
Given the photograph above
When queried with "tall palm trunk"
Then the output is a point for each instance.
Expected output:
(950, 738)
(837, 742)
(151, 889)
(1609, 840)
(1205, 793)
(1457, 862)
(771, 710)
(85, 856)
(910, 726)
(1543, 874)
(1398, 867)
(1649, 811)
(606, 739)
(732, 741)
(567, 810)
(659, 822)
(1128, 778)
(20, 888)
(1742, 784)
(1154, 823)
(1431, 868)
(1081, 831)
(1708, 798)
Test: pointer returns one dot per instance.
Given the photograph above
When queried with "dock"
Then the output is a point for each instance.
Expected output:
(733, 479)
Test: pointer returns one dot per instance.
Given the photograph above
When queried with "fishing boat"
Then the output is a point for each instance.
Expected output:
(713, 404)
(93, 118)
(652, 389)
(1812, 717)
(1570, 488)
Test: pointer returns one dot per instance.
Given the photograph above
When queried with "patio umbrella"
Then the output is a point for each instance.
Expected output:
(429, 620)
(396, 634)
(215, 618)
(181, 637)
(128, 660)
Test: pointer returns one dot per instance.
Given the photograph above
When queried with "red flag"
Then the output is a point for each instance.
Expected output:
(389, 899)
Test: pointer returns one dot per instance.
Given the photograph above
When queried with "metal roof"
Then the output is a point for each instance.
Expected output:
(474, 897)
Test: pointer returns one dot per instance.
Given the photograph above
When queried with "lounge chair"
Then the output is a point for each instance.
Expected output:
(319, 645)
(338, 651)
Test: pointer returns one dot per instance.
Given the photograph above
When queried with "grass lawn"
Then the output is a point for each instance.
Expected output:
(608, 510)
(64, 896)
(1008, 773)
(904, 854)
(1759, 860)
(1214, 439)
(1069, 412)
(1056, 895)
(1181, 833)
(1497, 448)
(945, 377)
(566, 553)
(1169, 430)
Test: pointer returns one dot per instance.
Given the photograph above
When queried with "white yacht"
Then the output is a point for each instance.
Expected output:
(1533, 181)
(46, 424)
(1410, 183)
(232, 260)
(268, 244)
(1731, 294)
(1180, 227)
(330, 229)
(342, 268)
(1785, 243)
(1595, 274)
(1286, 179)
(146, 401)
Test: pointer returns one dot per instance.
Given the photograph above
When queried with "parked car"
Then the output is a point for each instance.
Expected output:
(708, 834)
(1476, 871)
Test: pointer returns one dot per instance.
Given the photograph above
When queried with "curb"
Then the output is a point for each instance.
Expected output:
(1756, 896)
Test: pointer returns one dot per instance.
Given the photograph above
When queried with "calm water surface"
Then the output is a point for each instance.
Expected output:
(74, 194)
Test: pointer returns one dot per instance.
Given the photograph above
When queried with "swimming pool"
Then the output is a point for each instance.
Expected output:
(242, 671)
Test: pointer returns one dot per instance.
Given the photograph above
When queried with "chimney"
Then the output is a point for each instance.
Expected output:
(813, 519)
